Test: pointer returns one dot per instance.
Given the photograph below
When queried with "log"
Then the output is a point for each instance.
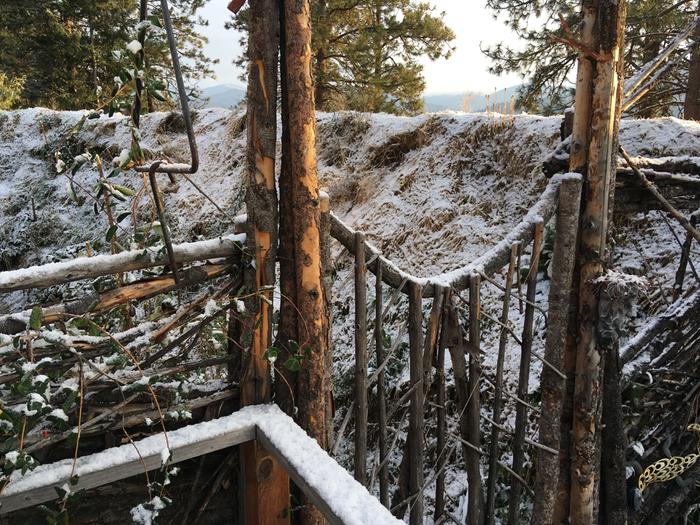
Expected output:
(360, 360)
(498, 393)
(552, 386)
(91, 267)
(682, 219)
(523, 379)
(95, 303)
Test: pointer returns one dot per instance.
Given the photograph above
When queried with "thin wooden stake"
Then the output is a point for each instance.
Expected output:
(415, 424)
(523, 379)
(498, 394)
(685, 258)
(476, 497)
(360, 359)
(381, 392)
(441, 425)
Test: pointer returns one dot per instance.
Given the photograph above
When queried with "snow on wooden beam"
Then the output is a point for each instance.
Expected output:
(91, 267)
(329, 486)
(491, 261)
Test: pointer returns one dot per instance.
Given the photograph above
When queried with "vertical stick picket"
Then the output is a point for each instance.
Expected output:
(523, 379)
(475, 498)
(416, 415)
(360, 359)
(441, 414)
(381, 393)
(498, 394)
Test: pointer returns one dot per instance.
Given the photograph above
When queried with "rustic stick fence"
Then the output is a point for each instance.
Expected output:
(443, 331)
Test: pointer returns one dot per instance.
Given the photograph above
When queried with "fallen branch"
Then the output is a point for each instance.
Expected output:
(682, 219)
(47, 275)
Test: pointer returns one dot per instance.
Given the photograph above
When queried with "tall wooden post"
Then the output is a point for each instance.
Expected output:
(266, 484)
(593, 153)
(306, 210)
(553, 387)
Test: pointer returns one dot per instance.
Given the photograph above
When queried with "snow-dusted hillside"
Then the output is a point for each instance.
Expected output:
(432, 192)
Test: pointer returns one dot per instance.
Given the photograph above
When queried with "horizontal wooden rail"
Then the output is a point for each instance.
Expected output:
(47, 275)
(100, 302)
(491, 261)
(329, 486)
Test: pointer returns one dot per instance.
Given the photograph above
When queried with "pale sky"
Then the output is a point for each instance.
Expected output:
(465, 70)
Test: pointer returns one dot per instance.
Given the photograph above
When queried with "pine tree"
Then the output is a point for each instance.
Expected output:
(366, 52)
(68, 51)
(547, 65)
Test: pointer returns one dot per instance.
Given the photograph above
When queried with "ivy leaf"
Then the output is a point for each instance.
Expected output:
(271, 354)
(35, 318)
(293, 364)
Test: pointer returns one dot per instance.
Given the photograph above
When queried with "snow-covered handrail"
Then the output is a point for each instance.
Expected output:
(496, 257)
(90, 267)
(329, 486)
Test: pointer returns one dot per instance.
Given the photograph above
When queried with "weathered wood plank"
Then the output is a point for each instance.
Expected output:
(416, 414)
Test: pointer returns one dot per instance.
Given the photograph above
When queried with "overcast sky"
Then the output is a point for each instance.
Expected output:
(465, 70)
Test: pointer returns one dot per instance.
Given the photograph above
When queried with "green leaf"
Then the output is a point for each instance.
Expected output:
(123, 216)
(154, 20)
(110, 232)
(293, 364)
(35, 318)
(124, 190)
(271, 354)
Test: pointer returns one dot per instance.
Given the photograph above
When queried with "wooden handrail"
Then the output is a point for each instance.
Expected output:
(341, 499)
(495, 257)
(46, 275)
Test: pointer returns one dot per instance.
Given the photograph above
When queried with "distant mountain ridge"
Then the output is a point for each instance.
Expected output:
(223, 96)
(229, 95)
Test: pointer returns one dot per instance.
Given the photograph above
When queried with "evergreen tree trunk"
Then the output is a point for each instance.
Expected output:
(691, 108)
(608, 19)
(321, 62)
(265, 483)
(285, 383)
(306, 211)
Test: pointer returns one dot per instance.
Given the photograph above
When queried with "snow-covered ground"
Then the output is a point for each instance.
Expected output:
(432, 192)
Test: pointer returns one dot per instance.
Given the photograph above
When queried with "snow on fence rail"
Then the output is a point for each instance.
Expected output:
(342, 500)
(90, 267)
(494, 259)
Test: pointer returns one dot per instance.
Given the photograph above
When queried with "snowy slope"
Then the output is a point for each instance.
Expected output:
(432, 192)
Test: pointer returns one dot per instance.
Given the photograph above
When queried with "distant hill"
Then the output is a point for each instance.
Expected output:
(222, 96)
(228, 95)
(477, 102)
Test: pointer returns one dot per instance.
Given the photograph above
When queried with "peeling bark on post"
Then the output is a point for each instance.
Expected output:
(261, 195)
(306, 209)
(285, 383)
(600, 170)
(266, 485)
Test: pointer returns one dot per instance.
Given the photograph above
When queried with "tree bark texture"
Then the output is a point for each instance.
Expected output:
(306, 210)
(599, 172)
(691, 106)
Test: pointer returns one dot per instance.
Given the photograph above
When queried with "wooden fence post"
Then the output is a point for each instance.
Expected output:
(473, 416)
(360, 359)
(266, 484)
(381, 391)
(498, 394)
(608, 20)
(416, 414)
(523, 378)
(553, 387)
